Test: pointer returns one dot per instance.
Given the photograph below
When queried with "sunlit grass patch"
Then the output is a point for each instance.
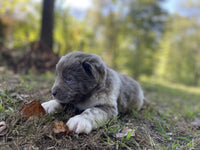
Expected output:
(175, 86)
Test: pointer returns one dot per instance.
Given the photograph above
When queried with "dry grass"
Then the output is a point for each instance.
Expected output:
(164, 124)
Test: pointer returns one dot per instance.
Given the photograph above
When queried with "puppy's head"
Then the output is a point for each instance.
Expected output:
(78, 75)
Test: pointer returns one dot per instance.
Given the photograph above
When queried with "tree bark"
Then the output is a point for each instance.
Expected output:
(46, 36)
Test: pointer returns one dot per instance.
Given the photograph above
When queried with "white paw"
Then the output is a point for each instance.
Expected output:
(79, 124)
(52, 106)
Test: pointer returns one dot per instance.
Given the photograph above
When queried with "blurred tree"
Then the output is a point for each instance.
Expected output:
(129, 33)
(39, 57)
(47, 23)
(102, 19)
(20, 20)
(71, 34)
(180, 60)
(145, 25)
(109, 29)
(179, 56)
(2, 33)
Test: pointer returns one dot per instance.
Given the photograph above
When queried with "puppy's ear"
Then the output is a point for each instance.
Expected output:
(88, 69)
(94, 69)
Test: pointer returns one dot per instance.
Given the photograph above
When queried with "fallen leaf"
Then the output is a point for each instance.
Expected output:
(32, 109)
(196, 123)
(3, 128)
(126, 131)
(61, 127)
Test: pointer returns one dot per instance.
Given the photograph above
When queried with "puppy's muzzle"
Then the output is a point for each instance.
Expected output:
(56, 92)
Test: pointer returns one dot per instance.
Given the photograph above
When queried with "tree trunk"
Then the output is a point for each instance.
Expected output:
(47, 23)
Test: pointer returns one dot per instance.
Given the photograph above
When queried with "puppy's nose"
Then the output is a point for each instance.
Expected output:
(54, 93)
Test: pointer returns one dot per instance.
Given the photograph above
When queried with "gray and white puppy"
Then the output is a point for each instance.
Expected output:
(85, 81)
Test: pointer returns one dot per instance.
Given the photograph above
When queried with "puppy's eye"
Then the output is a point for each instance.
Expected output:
(68, 79)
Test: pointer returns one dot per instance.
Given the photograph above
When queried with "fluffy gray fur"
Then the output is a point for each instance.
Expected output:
(85, 81)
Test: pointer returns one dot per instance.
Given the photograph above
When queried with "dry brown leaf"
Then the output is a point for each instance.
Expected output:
(196, 123)
(125, 132)
(32, 109)
(61, 127)
(3, 128)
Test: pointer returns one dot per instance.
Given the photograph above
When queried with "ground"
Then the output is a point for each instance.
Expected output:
(165, 123)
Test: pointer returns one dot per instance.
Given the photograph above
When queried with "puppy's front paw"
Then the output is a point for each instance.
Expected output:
(79, 124)
(52, 106)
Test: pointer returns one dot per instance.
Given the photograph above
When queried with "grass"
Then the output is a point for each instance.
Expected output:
(163, 124)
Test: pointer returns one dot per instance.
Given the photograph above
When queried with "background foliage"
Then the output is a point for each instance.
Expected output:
(138, 38)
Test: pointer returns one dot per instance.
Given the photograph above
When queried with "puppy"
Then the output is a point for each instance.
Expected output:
(101, 93)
